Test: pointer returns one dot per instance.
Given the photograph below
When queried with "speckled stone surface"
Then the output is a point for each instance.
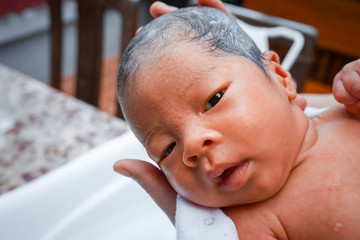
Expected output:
(51, 129)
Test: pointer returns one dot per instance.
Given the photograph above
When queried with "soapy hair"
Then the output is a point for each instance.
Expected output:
(214, 31)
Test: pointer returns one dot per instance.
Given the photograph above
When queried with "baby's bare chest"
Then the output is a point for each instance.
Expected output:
(322, 197)
(325, 207)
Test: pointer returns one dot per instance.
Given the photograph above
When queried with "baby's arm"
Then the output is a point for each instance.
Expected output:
(346, 87)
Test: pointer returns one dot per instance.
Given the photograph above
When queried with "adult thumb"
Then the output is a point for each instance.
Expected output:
(153, 181)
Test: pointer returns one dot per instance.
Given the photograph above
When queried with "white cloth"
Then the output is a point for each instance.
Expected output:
(314, 112)
(194, 222)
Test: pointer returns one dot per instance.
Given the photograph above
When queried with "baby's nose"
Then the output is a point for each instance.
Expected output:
(197, 145)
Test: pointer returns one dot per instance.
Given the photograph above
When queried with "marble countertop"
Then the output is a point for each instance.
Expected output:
(51, 129)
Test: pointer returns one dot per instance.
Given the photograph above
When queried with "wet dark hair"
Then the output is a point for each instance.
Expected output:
(210, 28)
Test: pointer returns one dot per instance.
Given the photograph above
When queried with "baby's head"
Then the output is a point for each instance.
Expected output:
(210, 110)
(210, 30)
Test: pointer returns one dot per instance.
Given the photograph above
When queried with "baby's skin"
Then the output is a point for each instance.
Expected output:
(225, 135)
(321, 197)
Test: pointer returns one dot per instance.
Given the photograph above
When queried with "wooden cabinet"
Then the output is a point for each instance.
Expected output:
(338, 23)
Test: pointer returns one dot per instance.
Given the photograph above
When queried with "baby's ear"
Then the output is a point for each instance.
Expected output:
(277, 72)
(271, 56)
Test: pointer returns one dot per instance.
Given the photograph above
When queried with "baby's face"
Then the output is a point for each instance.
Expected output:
(217, 126)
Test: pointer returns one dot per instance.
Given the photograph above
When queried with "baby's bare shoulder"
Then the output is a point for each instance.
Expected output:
(336, 114)
(338, 123)
(256, 221)
(325, 188)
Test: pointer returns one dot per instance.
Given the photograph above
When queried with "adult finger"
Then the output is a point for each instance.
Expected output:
(351, 82)
(152, 180)
(159, 8)
(340, 93)
(214, 4)
(354, 108)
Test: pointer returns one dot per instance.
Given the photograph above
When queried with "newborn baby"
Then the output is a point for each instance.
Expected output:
(218, 118)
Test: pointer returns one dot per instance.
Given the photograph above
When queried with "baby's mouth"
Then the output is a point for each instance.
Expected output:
(220, 175)
(234, 177)
(227, 173)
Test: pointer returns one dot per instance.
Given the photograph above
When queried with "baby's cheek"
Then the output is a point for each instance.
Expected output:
(177, 180)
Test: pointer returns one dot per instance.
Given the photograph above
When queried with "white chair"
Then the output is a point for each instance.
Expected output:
(295, 42)
(261, 36)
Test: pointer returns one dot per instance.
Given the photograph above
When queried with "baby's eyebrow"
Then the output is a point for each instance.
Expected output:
(140, 129)
(147, 144)
(149, 136)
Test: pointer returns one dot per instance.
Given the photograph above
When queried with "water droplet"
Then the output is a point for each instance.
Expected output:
(209, 221)
(337, 227)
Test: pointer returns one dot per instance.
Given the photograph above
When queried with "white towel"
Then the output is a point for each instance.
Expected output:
(314, 112)
(194, 222)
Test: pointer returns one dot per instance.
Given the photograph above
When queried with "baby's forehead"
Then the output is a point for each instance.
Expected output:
(180, 62)
(175, 58)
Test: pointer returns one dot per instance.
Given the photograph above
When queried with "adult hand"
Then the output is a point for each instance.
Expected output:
(159, 8)
(346, 87)
(153, 181)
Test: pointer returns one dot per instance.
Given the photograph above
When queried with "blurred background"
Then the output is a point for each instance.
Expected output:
(25, 37)
(25, 42)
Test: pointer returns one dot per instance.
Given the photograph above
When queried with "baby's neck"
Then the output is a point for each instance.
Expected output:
(309, 140)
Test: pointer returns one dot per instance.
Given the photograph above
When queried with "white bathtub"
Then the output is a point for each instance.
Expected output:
(85, 199)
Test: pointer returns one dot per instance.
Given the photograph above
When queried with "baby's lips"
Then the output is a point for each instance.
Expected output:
(235, 177)
(219, 174)
(215, 175)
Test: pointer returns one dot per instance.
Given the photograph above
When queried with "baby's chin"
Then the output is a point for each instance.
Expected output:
(212, 202)
(223, 202)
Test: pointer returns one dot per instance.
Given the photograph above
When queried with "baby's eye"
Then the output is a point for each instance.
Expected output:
(214, 100)
(169, 150)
